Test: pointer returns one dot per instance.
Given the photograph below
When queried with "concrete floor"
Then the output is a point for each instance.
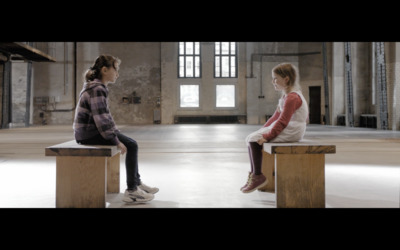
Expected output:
(204, 166)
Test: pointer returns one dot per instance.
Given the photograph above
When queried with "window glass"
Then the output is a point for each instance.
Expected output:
(217, 66)
(225, 66)
(197, 48)
(181, 48)
(225, 48)
(197, 66)
(225, 96)
(233, 67)
(189, 48)
(181, 66)
(233, 48)
(189, 60)
(189, 96)
(189, 66)
(225, 59)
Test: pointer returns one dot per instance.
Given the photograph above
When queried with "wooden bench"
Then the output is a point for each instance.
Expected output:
(296, 173)
(85, 174)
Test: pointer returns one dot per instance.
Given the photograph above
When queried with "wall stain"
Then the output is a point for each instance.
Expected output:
(144, 82)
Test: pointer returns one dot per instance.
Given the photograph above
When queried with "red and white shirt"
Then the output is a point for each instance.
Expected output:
(288, 123)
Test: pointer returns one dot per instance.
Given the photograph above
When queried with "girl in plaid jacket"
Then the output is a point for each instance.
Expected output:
(94, 124)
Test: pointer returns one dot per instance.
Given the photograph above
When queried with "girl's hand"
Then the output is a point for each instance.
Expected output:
(122, 148)
(261, 141)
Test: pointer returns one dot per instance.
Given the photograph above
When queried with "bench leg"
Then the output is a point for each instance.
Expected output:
(268, 169)
(80, 182)
(300, 180)
(113, 164)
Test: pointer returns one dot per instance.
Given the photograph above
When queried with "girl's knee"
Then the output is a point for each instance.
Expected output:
(132, 144)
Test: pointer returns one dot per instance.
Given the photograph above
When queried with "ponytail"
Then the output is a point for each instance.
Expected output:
(94, 72)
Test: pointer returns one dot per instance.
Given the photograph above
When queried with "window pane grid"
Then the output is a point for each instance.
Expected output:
(225, 60)
(189, 60)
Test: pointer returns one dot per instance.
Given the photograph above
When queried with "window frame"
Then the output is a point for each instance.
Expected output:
(234, 96)
(185, 56)
(179, 97)
(229, 55)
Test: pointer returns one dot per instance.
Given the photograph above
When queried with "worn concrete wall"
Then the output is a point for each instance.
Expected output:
(338, 82)
(311, 70)
(1, 92)
(55, 81)
(361, 79)
(261, 58)
(19, 71)
(169, 86)
(361, 69)
(139, 73)
(329, 62)
(150, 70)
(265, 57)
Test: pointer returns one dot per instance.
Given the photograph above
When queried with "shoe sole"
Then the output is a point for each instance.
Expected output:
(129, 200)
(259, 186)
(150, 192)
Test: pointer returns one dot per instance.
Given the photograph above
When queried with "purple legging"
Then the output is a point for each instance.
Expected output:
(255, 155)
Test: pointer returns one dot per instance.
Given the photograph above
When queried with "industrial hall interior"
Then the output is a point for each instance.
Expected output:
(190, 105)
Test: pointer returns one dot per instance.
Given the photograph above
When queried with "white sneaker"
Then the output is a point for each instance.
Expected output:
(137, 196)
(151, 190)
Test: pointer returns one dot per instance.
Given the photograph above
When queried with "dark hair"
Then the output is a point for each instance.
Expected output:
(100, 62)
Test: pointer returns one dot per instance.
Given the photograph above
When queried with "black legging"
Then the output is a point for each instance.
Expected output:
(131, 160)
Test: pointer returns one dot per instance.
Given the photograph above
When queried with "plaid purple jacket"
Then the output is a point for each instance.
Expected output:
(92, 115)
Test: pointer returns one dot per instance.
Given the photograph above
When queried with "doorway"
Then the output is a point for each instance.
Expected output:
(315, 104)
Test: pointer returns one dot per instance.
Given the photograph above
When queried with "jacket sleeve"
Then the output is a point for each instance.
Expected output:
(292, 103)
(102, 116)
(273, 118)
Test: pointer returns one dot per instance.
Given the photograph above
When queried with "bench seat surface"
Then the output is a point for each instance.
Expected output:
(72, 148)
(302, 147)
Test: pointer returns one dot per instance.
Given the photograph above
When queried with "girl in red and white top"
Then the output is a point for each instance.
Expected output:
(287, 124)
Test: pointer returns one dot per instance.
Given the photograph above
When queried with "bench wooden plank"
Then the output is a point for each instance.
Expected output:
(297, 172)
(113, 174)
(85, 173)
(300, 180)
(72, 148)
(299, 148)
(80, 182)
(268, 169)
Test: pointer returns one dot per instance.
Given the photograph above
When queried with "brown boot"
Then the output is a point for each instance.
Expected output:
(256, 181)
(247, 183)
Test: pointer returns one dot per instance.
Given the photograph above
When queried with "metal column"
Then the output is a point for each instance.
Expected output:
(349, 84)
(326, 85)
(381, 84)
(6, 107)
(28, 93)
